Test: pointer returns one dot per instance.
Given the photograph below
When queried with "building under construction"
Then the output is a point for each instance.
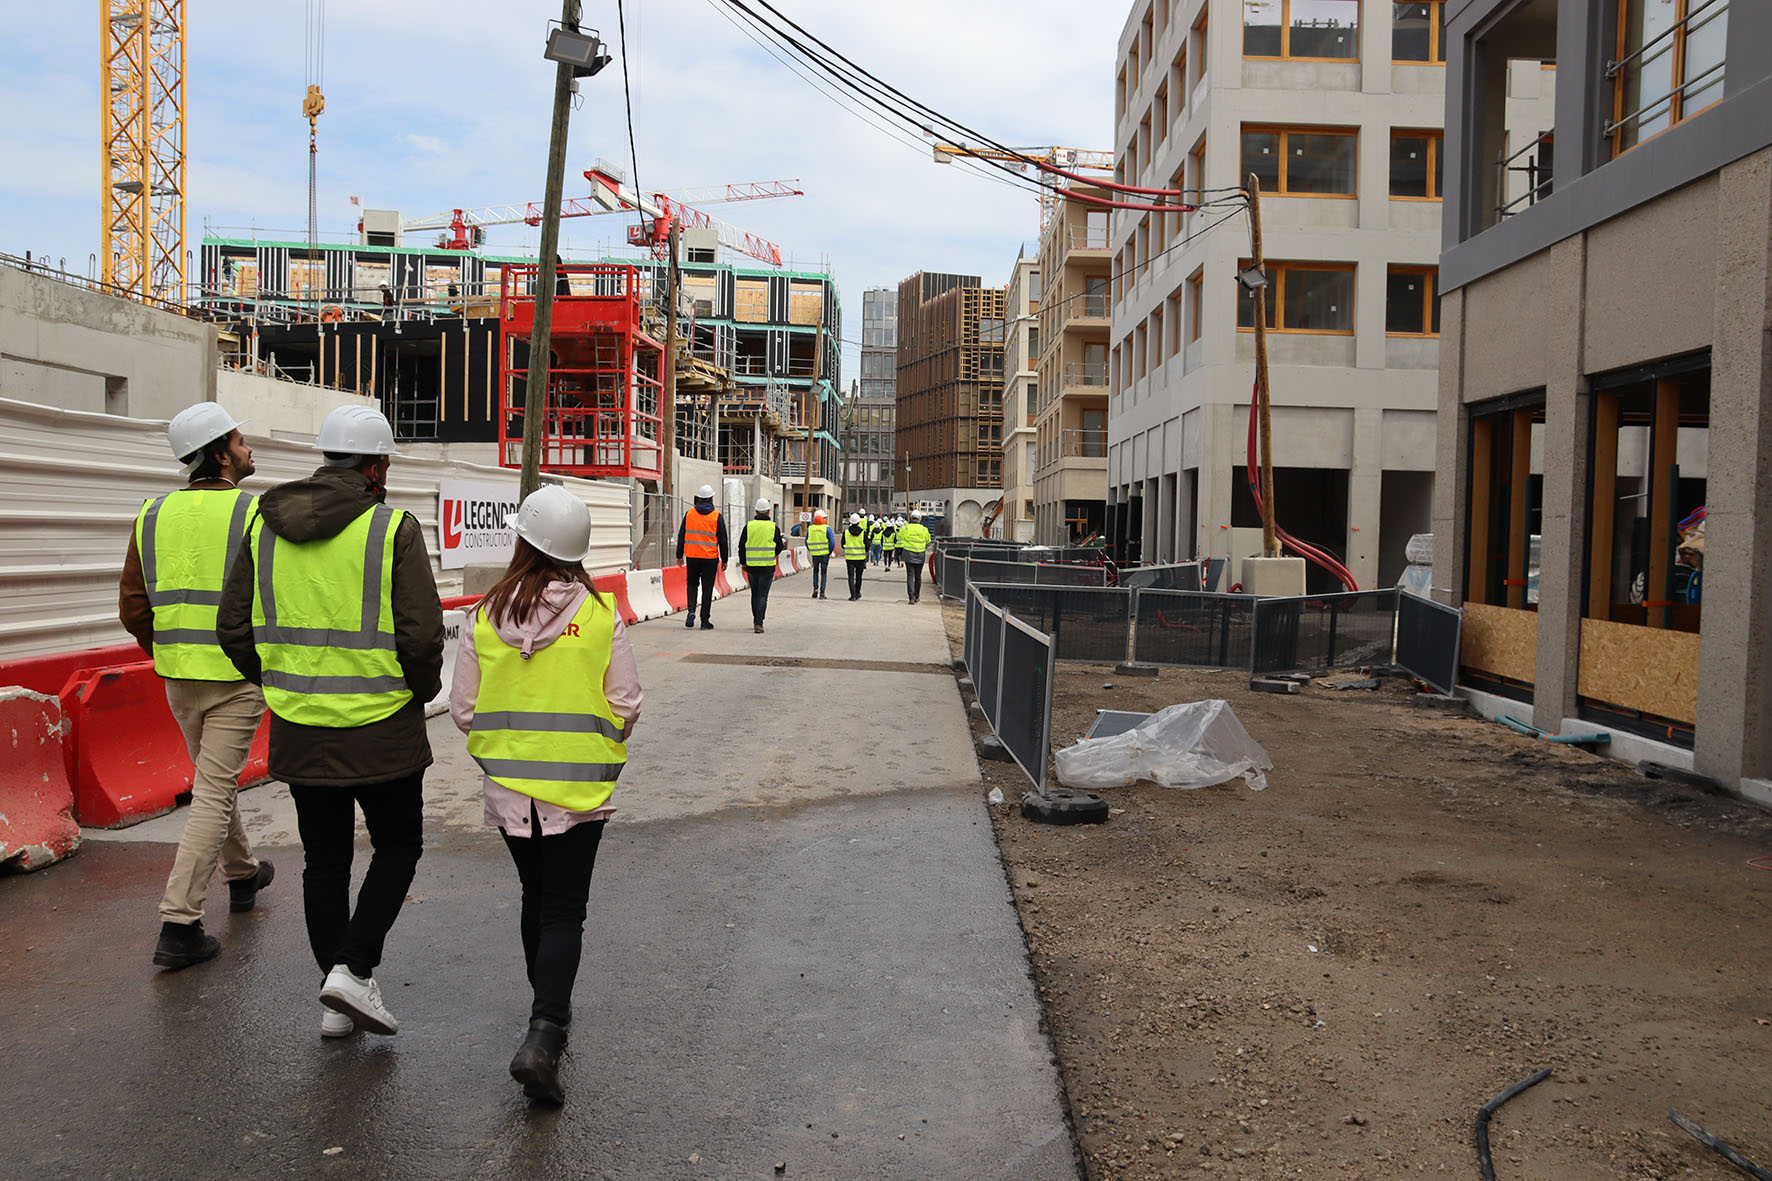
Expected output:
(950, 391)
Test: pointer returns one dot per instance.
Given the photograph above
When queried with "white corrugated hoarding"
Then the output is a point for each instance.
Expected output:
(71, 484)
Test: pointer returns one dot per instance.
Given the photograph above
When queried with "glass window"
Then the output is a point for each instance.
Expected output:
(1672, 55)
(1412, 301)
(1313, 163)
(1415, 164)
(1418, 32)
(1303, 297)
(1321, 29)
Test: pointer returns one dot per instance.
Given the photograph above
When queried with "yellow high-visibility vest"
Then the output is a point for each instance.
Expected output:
(187, 541)
(855, 545)
(818, 540)
(542, 725)
(323, 623)
(758, 543)
(913, 539)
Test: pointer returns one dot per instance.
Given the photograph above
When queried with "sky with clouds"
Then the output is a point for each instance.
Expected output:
(439, 103)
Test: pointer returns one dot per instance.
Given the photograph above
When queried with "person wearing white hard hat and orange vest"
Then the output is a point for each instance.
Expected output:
(178, 559)
(331, 607)
(702, 548)
(547, 691)
(820, 542)
(759, 547)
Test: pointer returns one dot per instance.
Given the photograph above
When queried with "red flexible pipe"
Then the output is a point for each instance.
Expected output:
(1305, 550)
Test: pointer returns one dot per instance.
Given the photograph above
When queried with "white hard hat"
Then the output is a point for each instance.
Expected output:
(855, 518)
(762, 505)
(818, 515)
(356, 430)
(555, 522)
(705, 492)
(916, 514)
(194, 428)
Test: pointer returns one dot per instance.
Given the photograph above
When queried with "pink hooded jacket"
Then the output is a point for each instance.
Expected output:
(507, 809)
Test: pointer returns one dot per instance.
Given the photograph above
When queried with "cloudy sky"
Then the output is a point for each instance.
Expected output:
(437, 104)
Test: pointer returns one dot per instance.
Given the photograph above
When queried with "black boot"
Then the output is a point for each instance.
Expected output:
(537, 1064)
(184, 944)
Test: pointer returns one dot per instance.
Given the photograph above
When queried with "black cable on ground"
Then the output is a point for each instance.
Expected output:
(1489, 1108)
(1718, 1147)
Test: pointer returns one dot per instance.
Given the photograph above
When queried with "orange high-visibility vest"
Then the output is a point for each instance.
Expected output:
(701, 534)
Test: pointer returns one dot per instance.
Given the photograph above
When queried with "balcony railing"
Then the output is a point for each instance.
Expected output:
(1093, 305)
(1089, 238)
(1535, 162)
(1084, 444)
(1085, 373)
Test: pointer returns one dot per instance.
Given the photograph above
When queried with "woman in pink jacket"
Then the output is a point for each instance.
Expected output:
(546, 690)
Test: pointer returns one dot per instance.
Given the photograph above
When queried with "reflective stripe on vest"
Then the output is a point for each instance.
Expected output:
(701, 534)
(914, 539)
(323, 623)
(855, 545)
(542, 726)
(818, 540)
(187, 541)
(759, 543)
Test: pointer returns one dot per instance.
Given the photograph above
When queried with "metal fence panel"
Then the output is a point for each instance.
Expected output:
(1315, 633)
(1428, 635)
(969, 645)
(990, 661)
(1192, 629)
(1049, 574)
(1025, 713)
(986, 571)
(1181, 576)
(1089, 624)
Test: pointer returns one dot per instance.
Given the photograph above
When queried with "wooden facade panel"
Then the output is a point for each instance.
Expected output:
(1500, 641)
(1640, 668)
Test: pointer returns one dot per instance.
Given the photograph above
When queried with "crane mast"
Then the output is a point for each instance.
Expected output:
(142, 147)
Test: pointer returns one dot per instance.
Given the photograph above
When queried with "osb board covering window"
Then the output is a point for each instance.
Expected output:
(1641, 668)
(751, 301)
(805, 302)
(1501, 641)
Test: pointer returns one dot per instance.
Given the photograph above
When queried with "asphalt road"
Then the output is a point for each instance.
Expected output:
(801, 952)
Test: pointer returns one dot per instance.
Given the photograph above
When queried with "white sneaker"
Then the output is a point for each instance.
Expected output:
(335, 1024)
(358, 999)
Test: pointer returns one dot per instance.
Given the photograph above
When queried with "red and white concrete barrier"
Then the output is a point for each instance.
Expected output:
(36, 800)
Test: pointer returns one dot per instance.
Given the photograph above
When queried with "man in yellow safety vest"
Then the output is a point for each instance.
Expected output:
(759, 547)
(332, 608)
(913, 546)
(820, 541)
(178, 559)
(855, 553)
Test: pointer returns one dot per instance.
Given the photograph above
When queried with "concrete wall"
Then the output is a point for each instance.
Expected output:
(65, 346)
(286, 410)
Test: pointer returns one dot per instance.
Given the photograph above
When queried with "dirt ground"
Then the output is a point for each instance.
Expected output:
(1328, 978)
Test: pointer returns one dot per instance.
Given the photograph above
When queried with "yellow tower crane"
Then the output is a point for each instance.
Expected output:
(1070, 159)
(142, 143)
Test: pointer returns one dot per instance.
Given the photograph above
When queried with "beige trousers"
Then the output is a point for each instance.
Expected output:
(218, 719)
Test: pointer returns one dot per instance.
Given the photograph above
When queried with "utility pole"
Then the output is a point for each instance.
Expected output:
(1269, 549)
(535, 389)
(812, 406)
(668, 395)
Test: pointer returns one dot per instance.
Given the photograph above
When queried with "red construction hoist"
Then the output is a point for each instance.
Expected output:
(604, 384)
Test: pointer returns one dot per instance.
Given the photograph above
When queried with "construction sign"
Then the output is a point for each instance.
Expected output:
(471, 523)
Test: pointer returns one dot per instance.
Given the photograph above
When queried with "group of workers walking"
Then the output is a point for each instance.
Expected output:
(315, 601)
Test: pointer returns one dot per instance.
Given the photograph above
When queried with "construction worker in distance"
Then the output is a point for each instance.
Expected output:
(874, 540)
(913, 548)
(546, 690)
(821, 541)
(760, 545)
(332, 608)
(889, 542)
(178, 559)
(702, 547)
(855, 553)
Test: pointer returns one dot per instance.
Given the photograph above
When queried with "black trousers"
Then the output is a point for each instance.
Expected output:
(327, 819)
(913, 576)
(761, 577)
(556, 876)
(701, 576)
(856, 566)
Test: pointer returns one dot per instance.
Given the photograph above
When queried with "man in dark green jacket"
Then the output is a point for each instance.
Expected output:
(341, 748)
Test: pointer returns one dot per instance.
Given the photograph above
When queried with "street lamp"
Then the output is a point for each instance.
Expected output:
(582, 51)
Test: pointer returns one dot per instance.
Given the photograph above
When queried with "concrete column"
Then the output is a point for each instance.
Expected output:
(1221, 458)
(1734, 739)
(1451, 456)
(1365, 485)
(1564, 539)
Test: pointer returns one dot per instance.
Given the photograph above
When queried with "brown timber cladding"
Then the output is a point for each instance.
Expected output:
(950, 408)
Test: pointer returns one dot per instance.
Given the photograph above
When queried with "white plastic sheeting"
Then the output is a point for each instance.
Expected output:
(71, 484)
(1195, 744)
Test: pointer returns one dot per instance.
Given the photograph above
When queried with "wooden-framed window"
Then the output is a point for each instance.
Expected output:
(1160, 113)
(1418, 32)
(1669, 65)
(1196, 291)
(1198, 156)
(1200, 44)
(1315, 297)
(1311, 30)
(1416, 169)
(1302, 161)
(1412, 301)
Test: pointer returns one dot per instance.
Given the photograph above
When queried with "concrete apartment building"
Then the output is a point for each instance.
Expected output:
(1071, 411)
(873, 478)
(1595, 329)
(1021, 351)
(1338, 106)
(950, 395)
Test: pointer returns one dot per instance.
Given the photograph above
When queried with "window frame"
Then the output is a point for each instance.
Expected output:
(1676, 97)
(1429, 298)
(1436, 145)
(1286, 55)
(1436, 39)
(1283, 130)
(1277, 270)
(1196, 286)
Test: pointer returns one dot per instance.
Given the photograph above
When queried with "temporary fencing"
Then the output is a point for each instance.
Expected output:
(1036, 573)
(1428, 635)
(1087, 624)
(1181, 576)
(1192, 629)
(1011, 665)
(1315, 633)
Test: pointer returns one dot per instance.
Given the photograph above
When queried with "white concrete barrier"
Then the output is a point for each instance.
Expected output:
(453, 622)
(646, 594)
